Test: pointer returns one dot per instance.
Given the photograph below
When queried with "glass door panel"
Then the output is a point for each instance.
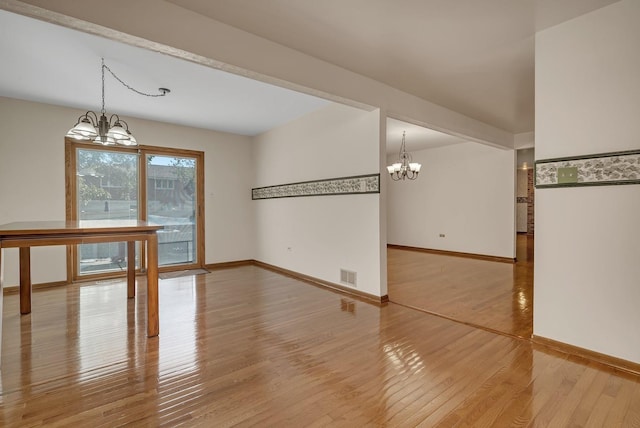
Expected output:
(171, 201)
(107, 188)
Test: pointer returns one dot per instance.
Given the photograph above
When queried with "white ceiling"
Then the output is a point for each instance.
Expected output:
(47, 63)
(473, 56)
(417, 137)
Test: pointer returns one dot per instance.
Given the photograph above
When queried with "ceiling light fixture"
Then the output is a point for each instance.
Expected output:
(405, 168)
(107, 131)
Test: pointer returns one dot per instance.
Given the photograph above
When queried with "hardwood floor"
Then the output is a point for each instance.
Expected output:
(488, 294)
(245, 346)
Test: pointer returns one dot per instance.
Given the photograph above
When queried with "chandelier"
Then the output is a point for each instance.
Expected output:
(404, 168)
(105, 131)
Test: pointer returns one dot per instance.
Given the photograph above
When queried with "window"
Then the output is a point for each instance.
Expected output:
(163, 186)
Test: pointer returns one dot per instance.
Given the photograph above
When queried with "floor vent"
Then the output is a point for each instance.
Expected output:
(348, 277)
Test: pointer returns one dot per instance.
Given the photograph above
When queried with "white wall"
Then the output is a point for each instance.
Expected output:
(319, 235)
(32, 183)
(587, 253)
(464, 191)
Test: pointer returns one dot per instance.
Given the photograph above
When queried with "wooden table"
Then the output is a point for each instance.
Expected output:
(24, 235)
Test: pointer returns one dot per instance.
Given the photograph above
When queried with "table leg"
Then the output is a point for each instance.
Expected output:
(153, 324)
(25, 280)
(131, 269)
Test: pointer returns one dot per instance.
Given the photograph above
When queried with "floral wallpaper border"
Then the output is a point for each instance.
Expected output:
(332, 186)
(593, 170)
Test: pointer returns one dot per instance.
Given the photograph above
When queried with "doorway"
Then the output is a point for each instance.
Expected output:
(451, 250)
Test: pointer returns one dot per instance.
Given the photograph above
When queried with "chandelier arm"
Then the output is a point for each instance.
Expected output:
(90, 115)
(123, 121)
(112, 122)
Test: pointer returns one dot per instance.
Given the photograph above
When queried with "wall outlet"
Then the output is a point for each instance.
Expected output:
(568, 175)
(442, 235)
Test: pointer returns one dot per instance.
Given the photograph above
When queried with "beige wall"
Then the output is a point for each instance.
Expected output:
(588, 238)
(319, 235)
(465, 192)
(32, 183)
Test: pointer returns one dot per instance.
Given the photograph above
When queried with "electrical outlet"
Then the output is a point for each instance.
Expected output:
(568, 175)
(442, 235)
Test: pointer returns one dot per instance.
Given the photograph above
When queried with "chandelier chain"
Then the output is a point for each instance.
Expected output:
(103, 66)
(112, 130)
(162, 93)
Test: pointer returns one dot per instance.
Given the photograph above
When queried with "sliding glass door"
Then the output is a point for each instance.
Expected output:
(163, 186)
(171, 201)
(107, 189)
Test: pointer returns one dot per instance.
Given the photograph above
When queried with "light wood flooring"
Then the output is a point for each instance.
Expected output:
(493, 295)
(245, 346)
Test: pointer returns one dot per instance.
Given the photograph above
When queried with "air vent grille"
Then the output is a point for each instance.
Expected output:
(348, 277)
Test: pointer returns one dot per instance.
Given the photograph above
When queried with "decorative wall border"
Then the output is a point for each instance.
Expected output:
(332, 186)
(602, 169)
